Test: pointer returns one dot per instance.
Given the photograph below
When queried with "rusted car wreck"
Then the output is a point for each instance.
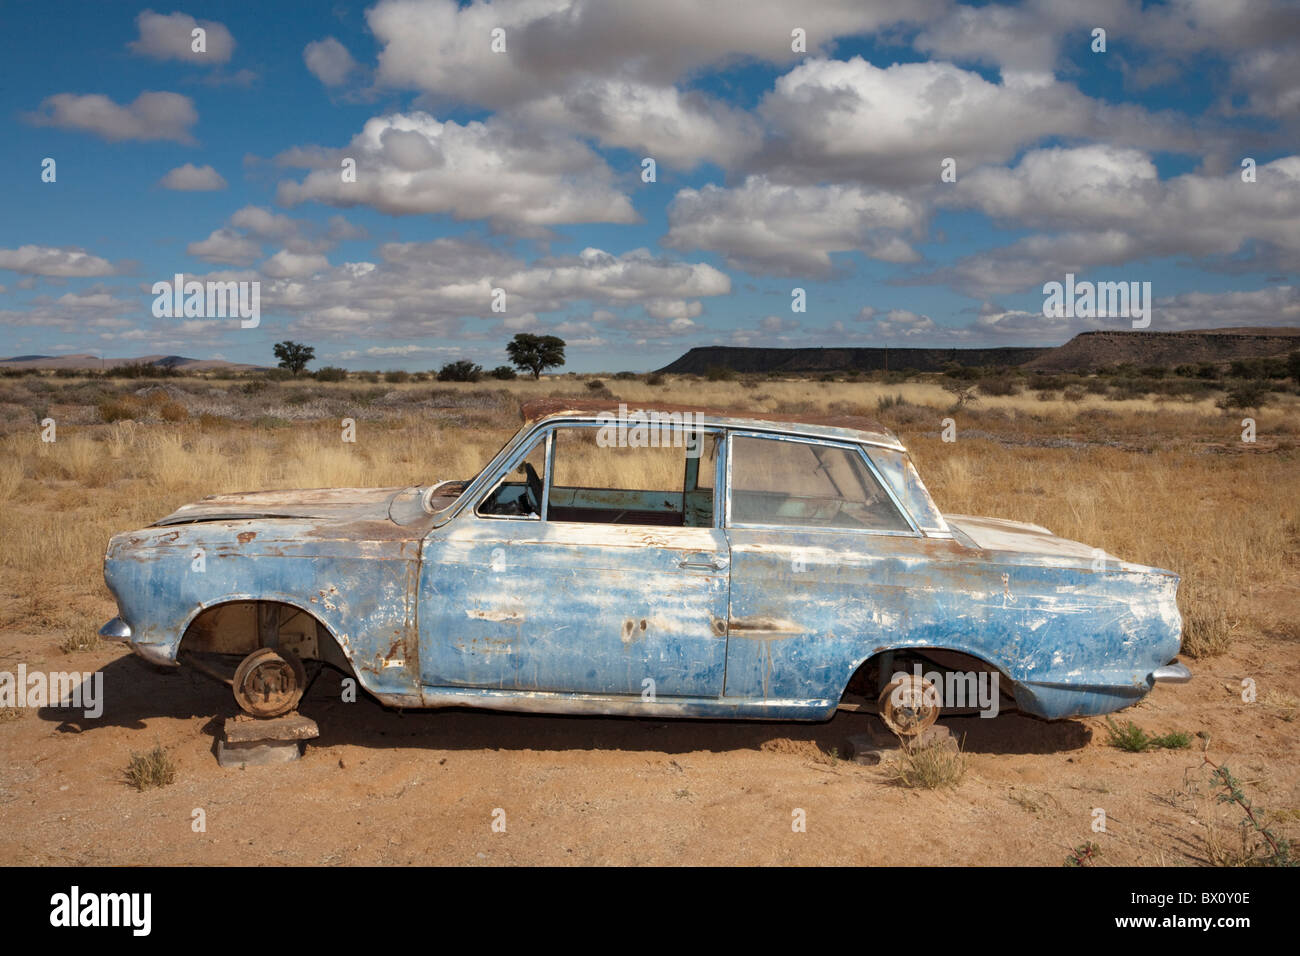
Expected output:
(665, 561)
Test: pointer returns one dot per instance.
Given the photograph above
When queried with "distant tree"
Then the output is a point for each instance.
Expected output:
(293, 356)
(535, 353)
(461, 371)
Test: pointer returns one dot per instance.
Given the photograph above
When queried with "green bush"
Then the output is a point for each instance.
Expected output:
(460, 371)
(330, 373)
(1245, 395)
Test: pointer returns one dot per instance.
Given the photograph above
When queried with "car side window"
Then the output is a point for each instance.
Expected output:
(519, 492)
(603, 476)
(777, 481)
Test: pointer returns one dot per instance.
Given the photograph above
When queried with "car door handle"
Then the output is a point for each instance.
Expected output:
(702, 562)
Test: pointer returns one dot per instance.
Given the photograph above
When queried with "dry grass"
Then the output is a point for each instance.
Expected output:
(154, 768)
(1167, 484)
(929, 767)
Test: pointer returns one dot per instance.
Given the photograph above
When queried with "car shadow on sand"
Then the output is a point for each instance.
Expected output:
(136, 692)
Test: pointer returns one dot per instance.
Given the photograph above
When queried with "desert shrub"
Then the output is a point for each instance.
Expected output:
(1074, 393)
(624, 376)
(655, 378)
(962, 392)
(719, 373)
(1259, 368)
(462, 370)
(172, 411)
(595, 385)
(120, 408)
(961, 372)
(370, 377)
(330, 373)
(999, 386)
(1128, 388)
(1135, 740)
(397, 377)
(504, 373)
(1045, 382)
(1245, 395)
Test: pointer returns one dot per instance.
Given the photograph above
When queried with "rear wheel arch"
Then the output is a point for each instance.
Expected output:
(864, 679)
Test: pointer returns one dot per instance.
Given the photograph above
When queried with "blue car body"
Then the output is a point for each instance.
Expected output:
(432, 603)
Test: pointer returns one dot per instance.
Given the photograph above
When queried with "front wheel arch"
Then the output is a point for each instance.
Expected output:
(206, 631)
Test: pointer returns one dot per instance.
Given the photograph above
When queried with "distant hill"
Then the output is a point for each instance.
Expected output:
(699, 360)
(87, 361)
(1092, 350)
(1085, 352)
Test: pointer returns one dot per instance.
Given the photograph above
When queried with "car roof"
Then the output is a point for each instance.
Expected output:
(854, 428)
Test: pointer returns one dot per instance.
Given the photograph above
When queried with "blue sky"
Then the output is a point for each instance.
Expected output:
(521, 170)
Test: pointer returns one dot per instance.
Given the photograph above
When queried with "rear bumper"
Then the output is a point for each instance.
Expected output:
(1172, 673)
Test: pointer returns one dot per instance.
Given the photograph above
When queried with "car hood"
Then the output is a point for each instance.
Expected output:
(331, 504)
(1022, 538)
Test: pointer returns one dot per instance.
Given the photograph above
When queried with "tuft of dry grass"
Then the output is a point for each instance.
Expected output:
(1207, 625)
(153, 768)
(81, 640)
(930, 767)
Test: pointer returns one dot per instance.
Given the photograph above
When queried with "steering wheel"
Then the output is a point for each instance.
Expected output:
(534, 488)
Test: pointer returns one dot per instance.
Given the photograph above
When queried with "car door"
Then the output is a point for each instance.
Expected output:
(541, 600)
(821, 554)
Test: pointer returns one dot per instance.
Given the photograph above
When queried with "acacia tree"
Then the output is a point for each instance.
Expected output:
(533, 353)
(294, 356)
